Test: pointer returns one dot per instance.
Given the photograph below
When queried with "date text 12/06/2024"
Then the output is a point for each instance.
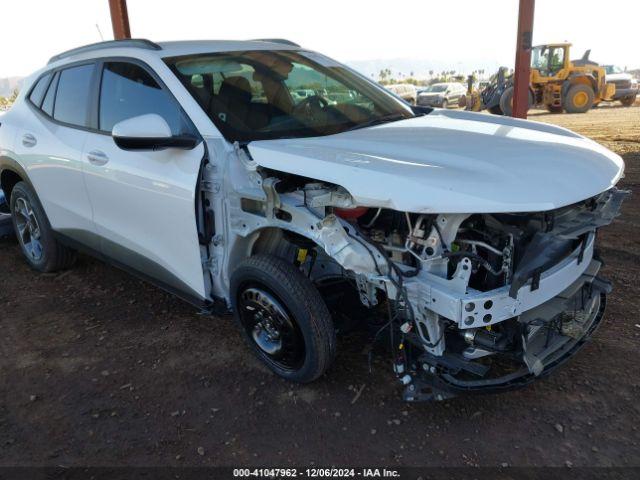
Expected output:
(315, 473)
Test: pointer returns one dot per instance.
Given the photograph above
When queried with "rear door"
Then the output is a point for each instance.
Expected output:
(144, 201)
(49, 144)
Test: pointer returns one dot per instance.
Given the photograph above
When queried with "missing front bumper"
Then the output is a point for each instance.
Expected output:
(550, 335)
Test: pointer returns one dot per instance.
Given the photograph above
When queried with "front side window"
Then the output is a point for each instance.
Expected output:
(556, 59)
(73, 95)
(262, 95)
(127, 90)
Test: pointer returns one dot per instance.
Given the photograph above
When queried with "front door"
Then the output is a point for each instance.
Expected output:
(144, 201)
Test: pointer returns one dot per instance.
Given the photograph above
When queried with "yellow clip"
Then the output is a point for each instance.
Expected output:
(401, 346)
(302, 255)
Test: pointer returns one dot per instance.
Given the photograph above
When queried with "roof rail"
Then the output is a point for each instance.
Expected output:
(132, 42)
(284, 41)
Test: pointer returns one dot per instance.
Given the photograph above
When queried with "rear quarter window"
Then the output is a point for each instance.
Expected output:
(40, 88)
(47, 103)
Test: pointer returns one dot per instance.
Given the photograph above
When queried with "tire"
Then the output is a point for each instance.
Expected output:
(283, 318)
(628, 101)
(506, 101)
(554, 109)
(496, 110)
(35, 236)
(579, 99)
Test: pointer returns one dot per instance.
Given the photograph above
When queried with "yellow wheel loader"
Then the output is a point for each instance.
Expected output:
(556, 82)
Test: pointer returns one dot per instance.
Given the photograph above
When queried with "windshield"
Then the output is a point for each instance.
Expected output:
(610, 69)
(262, 95)
(436, 88)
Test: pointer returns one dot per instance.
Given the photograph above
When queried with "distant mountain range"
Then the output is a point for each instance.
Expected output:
(420, 68)
(9, 84)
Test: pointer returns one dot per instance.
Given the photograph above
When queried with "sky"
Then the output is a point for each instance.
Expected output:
(458, 32)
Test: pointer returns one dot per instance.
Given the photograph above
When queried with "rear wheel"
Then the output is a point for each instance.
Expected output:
(579, 99)
(42, 251)
(628, 101)
(283, 318)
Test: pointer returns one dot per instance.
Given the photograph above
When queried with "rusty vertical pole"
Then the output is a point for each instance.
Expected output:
(523, 58)
(119, 19)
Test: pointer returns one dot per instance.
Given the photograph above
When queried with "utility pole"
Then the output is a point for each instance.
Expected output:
(119, 19)
(523, 58)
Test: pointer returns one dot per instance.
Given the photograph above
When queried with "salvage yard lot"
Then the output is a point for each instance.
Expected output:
(99, 368)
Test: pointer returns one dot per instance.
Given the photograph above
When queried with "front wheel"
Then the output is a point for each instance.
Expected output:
(283, 318)
(41, 250)
(628, 101)
(579, 98)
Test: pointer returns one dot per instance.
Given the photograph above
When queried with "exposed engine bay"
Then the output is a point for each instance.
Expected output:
(490, 301)
(468, 302)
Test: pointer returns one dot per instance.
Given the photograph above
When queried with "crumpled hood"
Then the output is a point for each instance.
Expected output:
(452, 162)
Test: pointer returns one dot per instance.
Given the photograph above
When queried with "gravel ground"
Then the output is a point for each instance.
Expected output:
(98, 368)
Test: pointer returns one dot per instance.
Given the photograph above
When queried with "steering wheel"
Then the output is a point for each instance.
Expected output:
(311, 106)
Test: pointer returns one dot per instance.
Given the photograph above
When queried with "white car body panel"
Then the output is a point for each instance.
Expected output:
(54, 167)
(452, 162)
(144, 210)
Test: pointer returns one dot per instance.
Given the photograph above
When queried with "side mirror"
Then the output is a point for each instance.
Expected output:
(149, 132)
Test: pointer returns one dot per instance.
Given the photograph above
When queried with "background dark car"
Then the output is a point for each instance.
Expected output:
(441, 94)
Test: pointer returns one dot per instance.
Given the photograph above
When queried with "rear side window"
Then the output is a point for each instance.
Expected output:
(47, 104)
(128, 90)
(72, 97)
(37, 94)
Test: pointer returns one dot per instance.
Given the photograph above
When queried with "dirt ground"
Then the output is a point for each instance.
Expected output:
(98, 368)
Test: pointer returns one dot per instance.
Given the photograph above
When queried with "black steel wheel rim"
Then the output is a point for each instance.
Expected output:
(271, 328)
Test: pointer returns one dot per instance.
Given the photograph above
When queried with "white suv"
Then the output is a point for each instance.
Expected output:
(465, 240)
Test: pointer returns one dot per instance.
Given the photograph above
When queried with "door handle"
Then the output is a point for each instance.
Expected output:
(29, 140)
(98, 158)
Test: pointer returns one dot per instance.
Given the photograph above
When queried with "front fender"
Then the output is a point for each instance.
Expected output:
(334, 235)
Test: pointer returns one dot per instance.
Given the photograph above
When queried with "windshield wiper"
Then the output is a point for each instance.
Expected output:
(394, 117)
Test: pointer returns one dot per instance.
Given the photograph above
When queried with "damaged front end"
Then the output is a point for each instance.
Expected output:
(470, 302)
(492, 301)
